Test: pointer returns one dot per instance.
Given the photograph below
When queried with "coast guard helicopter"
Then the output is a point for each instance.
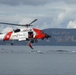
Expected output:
(29, 34)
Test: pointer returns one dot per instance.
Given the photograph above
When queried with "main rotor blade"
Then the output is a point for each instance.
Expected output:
(11, 24)
(33, 21)
(24, 25)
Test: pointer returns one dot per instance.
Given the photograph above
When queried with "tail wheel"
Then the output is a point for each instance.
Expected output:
(12, 43)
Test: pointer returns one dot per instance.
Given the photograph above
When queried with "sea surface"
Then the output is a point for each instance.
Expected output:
(43, 60)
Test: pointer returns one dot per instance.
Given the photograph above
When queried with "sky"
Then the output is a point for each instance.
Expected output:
(50, 13)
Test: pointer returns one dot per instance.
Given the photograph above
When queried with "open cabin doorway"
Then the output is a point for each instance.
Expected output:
(30, 34)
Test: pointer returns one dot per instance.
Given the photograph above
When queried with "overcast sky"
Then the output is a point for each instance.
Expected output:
(50, 13)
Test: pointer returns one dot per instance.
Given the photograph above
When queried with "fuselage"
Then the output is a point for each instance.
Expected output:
(23, 34)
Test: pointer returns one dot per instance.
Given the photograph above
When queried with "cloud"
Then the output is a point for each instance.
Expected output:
(7, 29)
(25, 2)
(50, 13)
(70, 1)
(26, 20)
(72, 24)
(61, 17)
(34, 2)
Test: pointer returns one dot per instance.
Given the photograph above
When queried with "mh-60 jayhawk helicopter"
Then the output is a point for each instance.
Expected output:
(29, 34)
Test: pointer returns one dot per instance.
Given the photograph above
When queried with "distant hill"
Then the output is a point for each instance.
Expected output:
(60, 37)
(65, 37)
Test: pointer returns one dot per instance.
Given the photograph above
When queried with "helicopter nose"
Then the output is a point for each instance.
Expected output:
(43, 36)
(47, 36)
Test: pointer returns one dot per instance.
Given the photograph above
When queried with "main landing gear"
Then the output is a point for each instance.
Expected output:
(33, 40)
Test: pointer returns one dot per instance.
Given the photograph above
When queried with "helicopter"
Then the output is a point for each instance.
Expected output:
(32, 35)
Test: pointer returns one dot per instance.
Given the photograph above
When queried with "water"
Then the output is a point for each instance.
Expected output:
(43, 60)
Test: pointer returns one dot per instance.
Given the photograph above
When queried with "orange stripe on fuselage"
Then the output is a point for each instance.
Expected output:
(7, 36)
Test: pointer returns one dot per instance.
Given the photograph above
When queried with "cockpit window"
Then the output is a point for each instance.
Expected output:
(17, 30)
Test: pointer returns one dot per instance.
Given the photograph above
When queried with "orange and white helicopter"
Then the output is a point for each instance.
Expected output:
(29, 34)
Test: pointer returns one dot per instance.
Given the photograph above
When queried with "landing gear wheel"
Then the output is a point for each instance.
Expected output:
(36, 40)
(32, 41)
